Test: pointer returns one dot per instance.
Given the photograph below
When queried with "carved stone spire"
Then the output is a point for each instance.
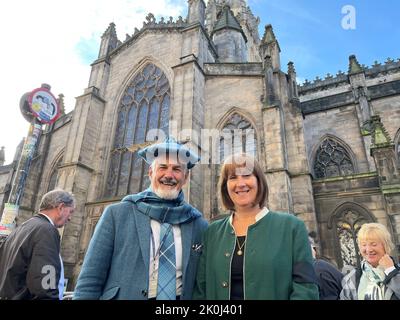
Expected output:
(291, 69)
(269, 35)
(196, 12)
(227, 20)
(109, 41)
(292, 82)
(228, 27)
(354, 66)
(2, 156)
(270, 97)
(211, 15)
(270, 47)
(61, 103)
(380, 137)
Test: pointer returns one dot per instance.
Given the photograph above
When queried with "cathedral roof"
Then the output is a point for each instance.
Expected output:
(227, 20)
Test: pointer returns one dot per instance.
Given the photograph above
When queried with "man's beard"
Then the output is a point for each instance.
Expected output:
(166, 194)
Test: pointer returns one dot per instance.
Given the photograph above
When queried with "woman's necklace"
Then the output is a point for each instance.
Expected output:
(240, 252)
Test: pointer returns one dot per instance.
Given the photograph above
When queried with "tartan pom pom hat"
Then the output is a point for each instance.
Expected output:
(170, 148)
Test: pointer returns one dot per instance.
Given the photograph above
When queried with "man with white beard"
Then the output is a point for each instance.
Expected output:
(148, 245)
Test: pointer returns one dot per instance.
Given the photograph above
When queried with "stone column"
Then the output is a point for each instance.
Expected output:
(279, 185)
(76, 171)
(364, 109)
(382, 150)
(188, 106)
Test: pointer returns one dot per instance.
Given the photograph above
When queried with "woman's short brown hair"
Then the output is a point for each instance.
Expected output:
(249, 165)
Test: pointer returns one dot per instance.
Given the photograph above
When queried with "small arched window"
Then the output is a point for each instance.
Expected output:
(53, 176)
(346, 222)
(332, 160)
(144, 106)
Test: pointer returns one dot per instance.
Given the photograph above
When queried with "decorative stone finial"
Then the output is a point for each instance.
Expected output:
(268, 61)
(110, 30)
(291, 67)
(61, 103)
(380, 137)
(2, 156)
(354, 65)
(269, 35)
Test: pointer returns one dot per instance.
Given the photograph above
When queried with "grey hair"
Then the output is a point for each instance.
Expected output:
(55, 197)
(153, 166)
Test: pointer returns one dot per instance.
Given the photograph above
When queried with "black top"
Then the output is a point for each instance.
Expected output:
(237, 271)
(329, 280)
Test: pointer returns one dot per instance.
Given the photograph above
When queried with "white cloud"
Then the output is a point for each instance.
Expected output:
(39, 40)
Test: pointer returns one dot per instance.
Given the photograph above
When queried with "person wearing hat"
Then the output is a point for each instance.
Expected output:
(148, 245)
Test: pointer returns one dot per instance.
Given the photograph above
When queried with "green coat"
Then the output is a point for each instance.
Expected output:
(277, 262)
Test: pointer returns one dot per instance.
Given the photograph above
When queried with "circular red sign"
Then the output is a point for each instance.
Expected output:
(44, 105)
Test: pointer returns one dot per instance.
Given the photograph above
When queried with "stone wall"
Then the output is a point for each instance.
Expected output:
(51, 145)
(341, 123)
(6, 176)
(362, 191)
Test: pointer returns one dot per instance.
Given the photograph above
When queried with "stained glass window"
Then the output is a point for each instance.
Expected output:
(145, 105)
(332, 160)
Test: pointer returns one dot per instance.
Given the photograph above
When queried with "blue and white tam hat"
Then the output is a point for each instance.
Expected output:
(171, 148)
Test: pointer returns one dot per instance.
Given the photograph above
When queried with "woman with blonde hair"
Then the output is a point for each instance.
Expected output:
(378, 278)
(254, 253)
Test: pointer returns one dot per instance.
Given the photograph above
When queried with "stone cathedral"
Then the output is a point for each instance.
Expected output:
(329, 148)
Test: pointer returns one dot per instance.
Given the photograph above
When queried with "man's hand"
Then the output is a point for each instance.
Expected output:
(386, 262)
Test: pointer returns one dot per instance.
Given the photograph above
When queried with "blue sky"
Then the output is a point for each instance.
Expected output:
(310, 33)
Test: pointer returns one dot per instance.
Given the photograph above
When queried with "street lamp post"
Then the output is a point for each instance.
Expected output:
(38, 107)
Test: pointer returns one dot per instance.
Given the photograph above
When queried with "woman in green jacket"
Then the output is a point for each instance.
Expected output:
(254, 253)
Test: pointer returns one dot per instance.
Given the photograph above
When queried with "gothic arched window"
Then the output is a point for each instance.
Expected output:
(346, 223)
(144, 106)
(237, 136)
(332, 160)
(53, 176)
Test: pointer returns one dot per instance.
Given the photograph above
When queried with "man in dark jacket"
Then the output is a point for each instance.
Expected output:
(329, 278)
(30, 262)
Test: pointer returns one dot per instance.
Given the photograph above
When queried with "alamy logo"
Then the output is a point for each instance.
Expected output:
(49, 280)
(349, 20)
